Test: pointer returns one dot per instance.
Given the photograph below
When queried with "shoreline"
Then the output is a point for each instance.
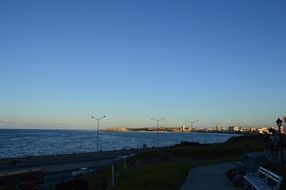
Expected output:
(92, 155)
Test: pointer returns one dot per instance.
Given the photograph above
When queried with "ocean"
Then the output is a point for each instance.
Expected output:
(23, 142)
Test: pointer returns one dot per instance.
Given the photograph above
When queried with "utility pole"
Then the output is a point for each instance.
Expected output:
(157, 134)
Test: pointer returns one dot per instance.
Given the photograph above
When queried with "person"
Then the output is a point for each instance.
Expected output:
(274, 143)
(267, 142)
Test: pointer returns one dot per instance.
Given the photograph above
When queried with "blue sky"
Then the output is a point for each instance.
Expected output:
(216, 61)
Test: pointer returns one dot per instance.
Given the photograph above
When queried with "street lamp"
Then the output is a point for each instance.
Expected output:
(157, 135)
(279, 123)
(192, 123)
(97, 133)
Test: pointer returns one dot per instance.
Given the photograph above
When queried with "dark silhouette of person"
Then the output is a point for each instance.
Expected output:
(267, 141)
(274, 143)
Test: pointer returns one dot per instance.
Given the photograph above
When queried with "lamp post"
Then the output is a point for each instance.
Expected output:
(97, 134)
(279, 123)
(157, 135)
(192, 123)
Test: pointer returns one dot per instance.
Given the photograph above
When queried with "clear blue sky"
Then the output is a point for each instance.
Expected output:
(216, 61)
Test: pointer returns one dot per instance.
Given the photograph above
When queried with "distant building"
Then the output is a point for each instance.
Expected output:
(252, 129)
(262, 130)
(183, 128)
(237, 128)
(220, 128)
(234, 129)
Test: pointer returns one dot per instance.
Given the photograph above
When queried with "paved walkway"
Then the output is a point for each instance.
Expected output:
(210, 177)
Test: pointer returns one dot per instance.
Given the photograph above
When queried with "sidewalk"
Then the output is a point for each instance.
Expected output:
(210, 177)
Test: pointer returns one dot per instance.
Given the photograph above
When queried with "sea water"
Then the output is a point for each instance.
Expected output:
(15, 143)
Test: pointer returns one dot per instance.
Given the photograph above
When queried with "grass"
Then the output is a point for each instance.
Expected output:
(170, 175)
(156, 176)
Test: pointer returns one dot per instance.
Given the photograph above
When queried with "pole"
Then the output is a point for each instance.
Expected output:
(97, 140)
(281, 145)
(217, 134)
(112, 177)
(97, 135)
(192, 138)
(279, 123)
(157, 134)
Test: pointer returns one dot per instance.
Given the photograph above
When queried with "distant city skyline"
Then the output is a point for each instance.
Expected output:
(212, 61)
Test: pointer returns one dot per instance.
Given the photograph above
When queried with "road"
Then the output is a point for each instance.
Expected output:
(59, 168)
(14, 164)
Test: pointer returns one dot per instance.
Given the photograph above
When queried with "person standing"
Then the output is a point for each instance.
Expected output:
(274, 143)
(267, 141)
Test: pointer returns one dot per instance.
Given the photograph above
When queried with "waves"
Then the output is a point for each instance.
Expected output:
(16, 143)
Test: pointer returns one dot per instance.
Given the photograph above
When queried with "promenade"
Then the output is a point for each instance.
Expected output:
(57, 168)
(209, 177)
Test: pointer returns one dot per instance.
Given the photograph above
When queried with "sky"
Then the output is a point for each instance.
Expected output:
(213, 61)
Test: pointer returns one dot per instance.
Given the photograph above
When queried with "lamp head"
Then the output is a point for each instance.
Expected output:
(279, 122)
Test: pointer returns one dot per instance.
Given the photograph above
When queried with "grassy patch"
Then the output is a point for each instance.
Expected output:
(156, 176)
(170, 175)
